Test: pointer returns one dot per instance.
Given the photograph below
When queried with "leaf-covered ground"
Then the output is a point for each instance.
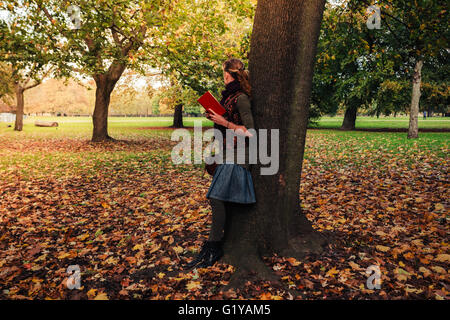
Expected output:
(129, 218)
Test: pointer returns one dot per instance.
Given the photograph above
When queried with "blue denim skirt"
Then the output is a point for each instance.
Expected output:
(232, 183)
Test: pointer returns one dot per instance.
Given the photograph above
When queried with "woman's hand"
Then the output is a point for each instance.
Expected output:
(242, 130)
(217, 118)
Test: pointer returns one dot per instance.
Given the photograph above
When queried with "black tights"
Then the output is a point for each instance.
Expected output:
(218, 220)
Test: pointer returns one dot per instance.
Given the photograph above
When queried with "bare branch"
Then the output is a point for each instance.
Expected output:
(38, 82)
(35, 84)
(115, 36)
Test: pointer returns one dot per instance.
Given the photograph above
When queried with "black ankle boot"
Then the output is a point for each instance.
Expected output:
(213, 254)
(200, 256)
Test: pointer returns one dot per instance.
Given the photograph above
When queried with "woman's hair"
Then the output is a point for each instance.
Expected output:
(236, 68)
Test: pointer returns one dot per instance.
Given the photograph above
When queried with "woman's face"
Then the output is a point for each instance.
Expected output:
(227, 78)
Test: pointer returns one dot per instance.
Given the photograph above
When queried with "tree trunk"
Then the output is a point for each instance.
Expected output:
(18, 126)
(282, 55)
(178, 116)
(413, 130)
(350, 118)
(105, 85)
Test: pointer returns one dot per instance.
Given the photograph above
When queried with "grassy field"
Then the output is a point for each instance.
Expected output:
(385, 122)
(129, 217)
(81, 127)
(346, 143)
(326, 148)
(124, 127)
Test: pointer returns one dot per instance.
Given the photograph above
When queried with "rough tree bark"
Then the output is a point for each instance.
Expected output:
(20, 87)
(18, 126)
(413, 130)
(178, 116)
(105, 85)
(282, 54)
(349, 118)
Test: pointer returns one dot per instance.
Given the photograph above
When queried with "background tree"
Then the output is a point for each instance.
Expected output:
(202, 35)
(103, 39)
(418, 31)
(435, 86)
(6, 83)
(155, 104)
(133, 95)
(349, 67)
(392, 98)
(435, 98)
(25, 53)
(282, 54)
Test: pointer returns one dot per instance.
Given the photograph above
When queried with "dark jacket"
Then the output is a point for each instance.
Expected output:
(239, 113)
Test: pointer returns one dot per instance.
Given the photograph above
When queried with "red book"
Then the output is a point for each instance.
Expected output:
(210, 103)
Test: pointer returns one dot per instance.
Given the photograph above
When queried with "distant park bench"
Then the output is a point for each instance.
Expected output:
(46, 124)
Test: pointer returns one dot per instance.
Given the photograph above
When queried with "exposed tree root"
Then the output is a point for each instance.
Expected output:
(103, 139)
(252, 268)
(303, 245)
(257, 270)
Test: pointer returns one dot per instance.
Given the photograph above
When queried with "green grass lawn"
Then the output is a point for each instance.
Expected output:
(125, 127)
(339, 148)
(384, 122)
(81, 127)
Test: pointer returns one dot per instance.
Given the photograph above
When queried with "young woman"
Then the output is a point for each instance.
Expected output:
(232, 181)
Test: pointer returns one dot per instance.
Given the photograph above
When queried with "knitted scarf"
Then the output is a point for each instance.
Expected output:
(231, 88)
